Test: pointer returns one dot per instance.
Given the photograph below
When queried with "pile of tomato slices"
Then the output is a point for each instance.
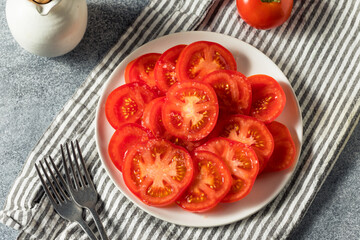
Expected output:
(192, 130)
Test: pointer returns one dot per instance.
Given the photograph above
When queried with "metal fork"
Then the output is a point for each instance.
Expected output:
(81, 186)
(58, 193)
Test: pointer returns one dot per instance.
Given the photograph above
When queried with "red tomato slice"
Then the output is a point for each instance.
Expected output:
(157, 172)
(152, 117)
(242, 162)
(190, 110)
(268, 98)
(232, 89)
(164, 70)
(124, 137)
(142, 69)
(126, 103)
(127, 71)
(201, 58)
(153, 121)
(284, 152)
(252, 132)
(212, 181)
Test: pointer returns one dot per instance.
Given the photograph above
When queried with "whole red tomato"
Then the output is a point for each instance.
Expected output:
(264, 14)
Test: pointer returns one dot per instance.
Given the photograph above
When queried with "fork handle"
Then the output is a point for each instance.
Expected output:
(86, 228)
(98, 223)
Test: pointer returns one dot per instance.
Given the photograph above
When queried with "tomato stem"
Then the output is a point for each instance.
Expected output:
(270, 1)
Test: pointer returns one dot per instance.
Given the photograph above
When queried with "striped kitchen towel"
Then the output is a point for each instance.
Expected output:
(318, 49)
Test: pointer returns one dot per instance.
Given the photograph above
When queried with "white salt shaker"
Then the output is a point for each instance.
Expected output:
(47, 28)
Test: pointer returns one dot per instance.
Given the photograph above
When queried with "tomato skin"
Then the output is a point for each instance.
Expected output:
(164, 70)
(252, 132)
(126, 103)
(190, 110)
(157, 172)
(232, 89)
(212, 181)
(264, 15)
(124, 137)
(284, 152)
(242, 162)
(268, 98)
(200, 58)
(142, 69)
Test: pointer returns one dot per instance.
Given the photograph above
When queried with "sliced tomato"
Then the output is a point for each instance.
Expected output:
(124, 137)
(233, 91)
(190, 110)
(127, 71)
(212, 181)
(152, 120)
(252, 132)
(142, 69)
(126, 103)
(152, 117)
(157, 172)
(268, 98)
(200, 58)
(164, 71)
(284, 152)
(242, 162)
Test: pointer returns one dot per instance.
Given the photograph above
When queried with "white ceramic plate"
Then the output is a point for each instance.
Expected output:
(250, 61)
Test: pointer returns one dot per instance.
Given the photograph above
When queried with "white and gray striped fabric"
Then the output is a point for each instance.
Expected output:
(318, 49)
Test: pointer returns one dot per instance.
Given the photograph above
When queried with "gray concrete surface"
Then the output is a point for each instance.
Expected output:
(335, 211)
(34, 89)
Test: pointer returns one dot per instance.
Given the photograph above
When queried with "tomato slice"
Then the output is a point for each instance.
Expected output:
(126, 103)
(284, 152)
(152, 117)
(142, 69)
(242, 162)
(201, 58)
(157, 172)
(190, 110)
(212, 181)
(268, 98)
(164, 71)
(252, 132)
(152, 120)
(127, 71)
(233, 91)
(124, 137)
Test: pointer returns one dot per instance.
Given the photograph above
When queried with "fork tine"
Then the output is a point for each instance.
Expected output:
(87, 175)
(59, 187)
(58, 198)
(82, 180)
(62, 181)
(45, 186)
(76, 180)
(66, 167)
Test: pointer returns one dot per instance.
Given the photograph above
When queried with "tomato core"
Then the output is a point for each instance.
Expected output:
(128, 107)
